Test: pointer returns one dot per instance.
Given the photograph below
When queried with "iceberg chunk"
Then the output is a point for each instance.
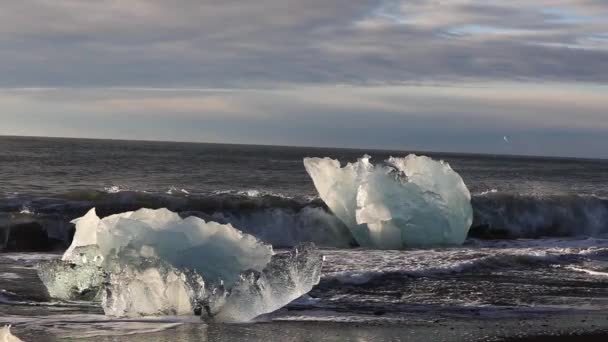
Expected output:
(287, 277)
(153, 262)
(150, 287)
(405, 202)
(79, 278)
(220, 252)
(85, 235)
(6, 336)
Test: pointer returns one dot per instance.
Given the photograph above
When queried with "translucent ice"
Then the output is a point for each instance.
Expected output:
(153, 262)
(80, 278)
(287, 277)
(137, 286)
(411, 201)
(218, 251)
(6, 336)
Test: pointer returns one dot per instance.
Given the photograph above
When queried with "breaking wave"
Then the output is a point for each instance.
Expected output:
(499, 215)
(285, 221)
(279, 220)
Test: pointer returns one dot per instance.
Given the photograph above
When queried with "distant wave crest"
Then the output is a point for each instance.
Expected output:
(285, 221)
(500, 215)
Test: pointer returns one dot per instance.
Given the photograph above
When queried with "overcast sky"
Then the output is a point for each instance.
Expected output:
(517, 76)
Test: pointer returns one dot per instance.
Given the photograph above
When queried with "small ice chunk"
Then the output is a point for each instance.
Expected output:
(6, 336)
(80, 278)
(85, 234)
(405, 202)
(287, 277)
(150, 287)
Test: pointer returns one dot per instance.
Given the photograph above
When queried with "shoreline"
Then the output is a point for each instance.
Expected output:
(565, 327)
(587, 337)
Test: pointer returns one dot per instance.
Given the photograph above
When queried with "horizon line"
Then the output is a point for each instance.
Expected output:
(409, 151)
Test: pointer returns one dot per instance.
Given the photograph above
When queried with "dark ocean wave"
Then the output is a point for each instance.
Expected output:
(498, 215)
(39, 223)
(279, 220)
(108, 203)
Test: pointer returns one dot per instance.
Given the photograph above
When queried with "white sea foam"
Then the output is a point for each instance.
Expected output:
(26, 210)
(112, 189)
(590, 272)
(9, 275)
(491, 191)
(29, 258)
(356, 267)
(175, 191)
(252, 193)
(70, 326)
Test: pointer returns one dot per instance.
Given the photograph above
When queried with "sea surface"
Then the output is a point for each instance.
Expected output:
(535, 261)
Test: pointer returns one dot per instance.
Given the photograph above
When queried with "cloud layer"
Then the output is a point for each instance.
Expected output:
(551, 119)
(245, 43)
(450, 75)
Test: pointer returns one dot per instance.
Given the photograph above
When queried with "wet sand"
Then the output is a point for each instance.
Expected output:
(588, 327)
(591, 337)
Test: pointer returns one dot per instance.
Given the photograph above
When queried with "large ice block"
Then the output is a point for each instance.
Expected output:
(154, 263)
(404, 202)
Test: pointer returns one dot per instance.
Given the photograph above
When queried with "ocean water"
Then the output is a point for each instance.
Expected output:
(537, 250)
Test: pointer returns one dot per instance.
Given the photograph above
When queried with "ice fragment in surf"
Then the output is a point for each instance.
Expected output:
(79, 278)
(138, 286)
(287, 277)
(411, 201)
(6, 336)
(152, 262)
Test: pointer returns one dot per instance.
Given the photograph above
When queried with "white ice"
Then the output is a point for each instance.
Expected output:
(405, 202)
(6, 336)
(220, 252)
(287, 277)
(150, 287)
(154, 263)
(80, 278)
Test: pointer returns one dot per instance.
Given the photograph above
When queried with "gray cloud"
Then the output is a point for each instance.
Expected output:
(547, 119)
(270, 42)
(452, 75)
